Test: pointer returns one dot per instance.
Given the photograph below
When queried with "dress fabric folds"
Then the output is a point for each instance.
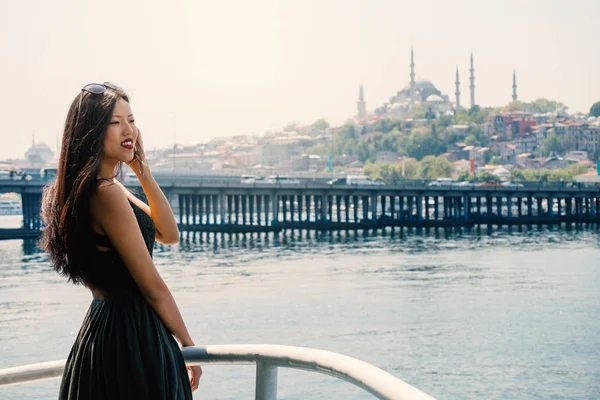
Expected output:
(123, 350)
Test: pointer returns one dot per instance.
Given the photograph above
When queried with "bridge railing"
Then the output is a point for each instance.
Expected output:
(268, 358)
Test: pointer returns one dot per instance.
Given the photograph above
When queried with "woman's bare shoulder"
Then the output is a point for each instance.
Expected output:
(108, 196)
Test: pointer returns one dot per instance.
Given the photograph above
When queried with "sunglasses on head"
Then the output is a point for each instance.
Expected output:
(99, 88)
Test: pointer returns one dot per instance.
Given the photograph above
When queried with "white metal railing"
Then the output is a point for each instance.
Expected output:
(268, 358)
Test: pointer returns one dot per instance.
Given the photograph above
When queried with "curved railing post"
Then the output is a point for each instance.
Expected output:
(266, 381)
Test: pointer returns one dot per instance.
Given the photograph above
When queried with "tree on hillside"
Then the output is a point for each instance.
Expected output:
(432, 167)
(320, 125)
(292, 126)
(552, 144)
(595, 109)
(542, 105)
(486, 177)
(422, 142)
(365, 150)
(517, 175)
(515, 106)
(418, 111)
(476, 115)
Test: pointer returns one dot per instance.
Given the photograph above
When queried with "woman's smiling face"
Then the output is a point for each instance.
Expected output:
(121, 135)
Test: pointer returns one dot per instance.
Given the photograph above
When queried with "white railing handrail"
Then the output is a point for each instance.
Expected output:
(359, 373)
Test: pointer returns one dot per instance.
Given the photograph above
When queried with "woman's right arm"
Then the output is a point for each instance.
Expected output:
(112, 211)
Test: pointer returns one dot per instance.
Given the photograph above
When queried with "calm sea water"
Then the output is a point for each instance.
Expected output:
(461, 315)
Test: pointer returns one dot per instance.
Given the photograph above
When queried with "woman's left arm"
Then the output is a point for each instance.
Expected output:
(158, 207)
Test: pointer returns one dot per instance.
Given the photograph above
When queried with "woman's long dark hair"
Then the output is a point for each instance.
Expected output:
(66, 201)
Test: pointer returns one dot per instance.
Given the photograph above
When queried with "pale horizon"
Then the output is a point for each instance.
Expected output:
(198, 70)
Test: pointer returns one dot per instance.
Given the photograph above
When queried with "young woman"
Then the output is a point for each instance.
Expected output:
(98, 234)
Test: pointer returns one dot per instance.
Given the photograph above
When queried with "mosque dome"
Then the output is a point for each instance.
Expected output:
(422, 84)
(434, 98)
(425, 84)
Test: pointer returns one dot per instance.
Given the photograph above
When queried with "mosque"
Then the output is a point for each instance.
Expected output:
(424, 91)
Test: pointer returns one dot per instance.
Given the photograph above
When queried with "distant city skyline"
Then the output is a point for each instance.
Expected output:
(197, 70)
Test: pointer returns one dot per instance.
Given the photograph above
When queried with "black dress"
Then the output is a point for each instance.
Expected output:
(123, 349)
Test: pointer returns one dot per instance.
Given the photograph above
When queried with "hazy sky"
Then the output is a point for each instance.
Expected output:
(200, 69)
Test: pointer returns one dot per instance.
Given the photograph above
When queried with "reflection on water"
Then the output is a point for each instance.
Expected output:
(216, 241)
(411, 238)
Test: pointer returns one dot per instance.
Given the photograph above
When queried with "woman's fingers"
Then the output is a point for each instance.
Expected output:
(196, 373)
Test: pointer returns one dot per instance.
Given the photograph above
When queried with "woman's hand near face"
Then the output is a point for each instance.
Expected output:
(138, 162)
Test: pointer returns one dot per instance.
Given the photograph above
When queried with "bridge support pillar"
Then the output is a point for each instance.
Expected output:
(236, 208)
(181, 209)
(222, 208)
(307, 205)
(268, 209)
(251, 208)
(457, 207)
(436, 208)
(346, 209)
(300, 199)
(284, 207)
(229, 209)
(324, 208)
(194, 208)
(188, 209)
(259, 202)
(401, 207)
(364, 205)
(499, 206)
(373, 207)
(213, 209)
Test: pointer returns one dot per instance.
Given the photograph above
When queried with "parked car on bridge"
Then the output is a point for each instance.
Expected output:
(250, 179)
(338, 181)
(442, 182)
(362, 180)
(465, 184)
(490, 184)
(282, 180)
(512, 184)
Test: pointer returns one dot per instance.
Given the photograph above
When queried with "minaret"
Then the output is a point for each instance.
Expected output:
(457, 90)
(413, 83)
(362, 106)
(514, 96)
(472, 86)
